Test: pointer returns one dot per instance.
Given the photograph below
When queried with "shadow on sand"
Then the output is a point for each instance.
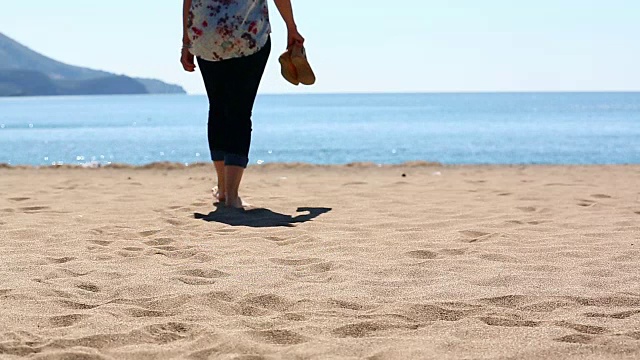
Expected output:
(260, 218)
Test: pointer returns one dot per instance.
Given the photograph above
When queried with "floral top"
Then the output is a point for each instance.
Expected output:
(225, 29)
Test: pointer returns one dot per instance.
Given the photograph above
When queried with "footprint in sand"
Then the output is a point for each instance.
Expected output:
(271, 302)
(275, 238)
(294, 317)
(169, 248)
(517, 222)
(168, 332)
(18, 199)
(181, 254)
(535, 222)
(251, 311)
(368, 328)
(295, 262)
(263, 305)
(508, 301)
(174, 222)
(278, 337)
(586, 203)
(101, 242)
(220, 296)
(320, 272)
(64, 346)
(148, 233)
(139, 312)
(607, 301)
(499, 321)
(61, 260)
(126, 254)
(76, 305)
(619, 315)
(499, 258)
(200, 276)
(226, 231)
(207, 274)
(346, 305)
(319, 268)
(89, 287)
(585, 329)
(576, 339)
(61, 274)
(474, 236)
(558, 184)
(31, 209)
(601, 196)
(159, 242)
(284, 241)
(427, 312)
(422, 254)
(66, 320)
(132, 248)
(360, 330)
(545, 306)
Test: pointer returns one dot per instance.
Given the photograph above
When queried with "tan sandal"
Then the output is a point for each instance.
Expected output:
(287, 68)
(299, 60)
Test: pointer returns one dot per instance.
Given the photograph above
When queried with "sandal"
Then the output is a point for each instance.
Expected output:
(299, 60)
(287, 69)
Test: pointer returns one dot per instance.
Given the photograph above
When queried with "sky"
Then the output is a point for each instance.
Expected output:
(365, 45)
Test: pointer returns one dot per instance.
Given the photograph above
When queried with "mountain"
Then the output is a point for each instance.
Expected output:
(24, 72)
(154, 86)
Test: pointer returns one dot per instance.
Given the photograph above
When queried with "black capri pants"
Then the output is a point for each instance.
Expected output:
(232, 86)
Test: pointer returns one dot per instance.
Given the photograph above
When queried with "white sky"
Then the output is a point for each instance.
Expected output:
(366, 45)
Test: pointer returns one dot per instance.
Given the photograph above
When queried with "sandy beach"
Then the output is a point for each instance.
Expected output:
(341, 262)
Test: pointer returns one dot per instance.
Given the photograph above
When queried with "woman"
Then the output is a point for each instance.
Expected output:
(231, 41)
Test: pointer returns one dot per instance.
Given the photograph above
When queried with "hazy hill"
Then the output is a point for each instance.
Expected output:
(24, 72)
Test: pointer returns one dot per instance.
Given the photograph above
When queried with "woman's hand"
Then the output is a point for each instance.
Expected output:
(187, 60)
(294, 37)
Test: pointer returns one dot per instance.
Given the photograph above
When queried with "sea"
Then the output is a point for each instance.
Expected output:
(465, 128)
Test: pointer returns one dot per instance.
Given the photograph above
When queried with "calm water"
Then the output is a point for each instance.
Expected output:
(551, 128)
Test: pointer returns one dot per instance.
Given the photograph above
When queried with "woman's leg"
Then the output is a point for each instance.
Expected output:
(233, 175)
(244, 75)
(214, 79)
(220, 194)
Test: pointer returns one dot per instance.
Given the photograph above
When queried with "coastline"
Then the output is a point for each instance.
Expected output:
(168, 165)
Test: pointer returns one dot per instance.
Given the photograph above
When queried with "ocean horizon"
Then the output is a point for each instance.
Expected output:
(383, 128)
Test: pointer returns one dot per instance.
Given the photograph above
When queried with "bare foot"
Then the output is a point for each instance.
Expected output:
(217, 195)
(237, 203)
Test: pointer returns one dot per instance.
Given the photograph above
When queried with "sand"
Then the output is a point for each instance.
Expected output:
(344, 262)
